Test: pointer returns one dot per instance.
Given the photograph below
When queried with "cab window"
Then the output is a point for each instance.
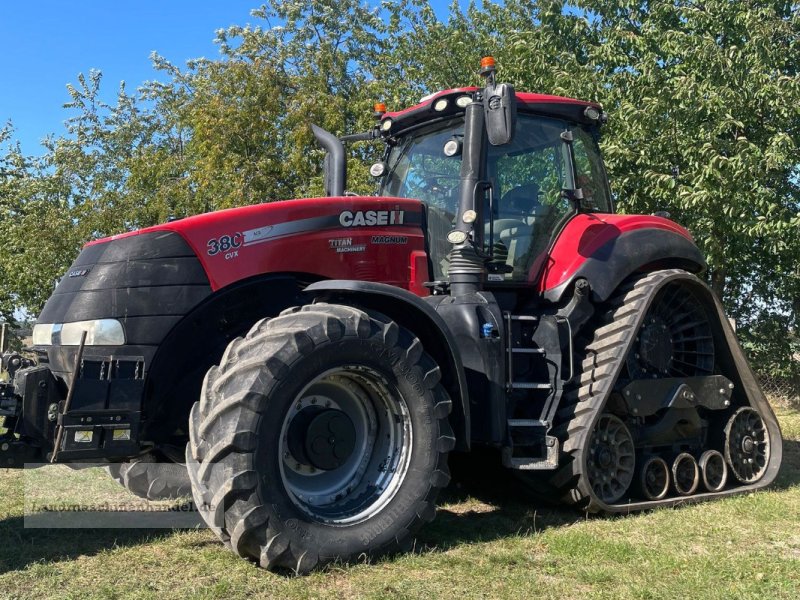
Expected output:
(529, 177)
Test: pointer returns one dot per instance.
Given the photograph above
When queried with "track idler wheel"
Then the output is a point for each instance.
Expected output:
(713, 470)
(685, 474)
(611, 459)
(747, 445)
(653, 479)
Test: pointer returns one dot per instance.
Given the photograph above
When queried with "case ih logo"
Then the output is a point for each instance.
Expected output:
(78, 273)
(370, 218)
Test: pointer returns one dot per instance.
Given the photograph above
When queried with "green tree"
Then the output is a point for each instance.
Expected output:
(248, 115)
(704, 101)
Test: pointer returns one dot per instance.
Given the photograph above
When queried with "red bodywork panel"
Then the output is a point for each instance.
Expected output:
(584, 235)
(365, 238)
(362, 238)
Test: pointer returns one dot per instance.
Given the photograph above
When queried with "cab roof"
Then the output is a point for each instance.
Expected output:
(555, 106)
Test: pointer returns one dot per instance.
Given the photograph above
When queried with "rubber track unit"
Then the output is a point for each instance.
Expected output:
(221, 456)
(147, 478)
(601, 363)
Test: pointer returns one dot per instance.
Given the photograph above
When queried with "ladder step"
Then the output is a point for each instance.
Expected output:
(548, 462)
(527, 350)
(527, 423)
(515, 385)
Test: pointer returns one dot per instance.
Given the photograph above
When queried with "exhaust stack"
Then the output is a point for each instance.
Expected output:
(335, 161)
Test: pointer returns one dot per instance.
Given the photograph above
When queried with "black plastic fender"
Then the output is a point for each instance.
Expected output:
(631, 251)
(175, 374)
(421, 318)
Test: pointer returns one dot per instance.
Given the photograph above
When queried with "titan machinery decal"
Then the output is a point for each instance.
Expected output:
(342, 245)
(371, 218)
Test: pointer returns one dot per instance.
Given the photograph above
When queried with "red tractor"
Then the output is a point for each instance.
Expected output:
(313, 362)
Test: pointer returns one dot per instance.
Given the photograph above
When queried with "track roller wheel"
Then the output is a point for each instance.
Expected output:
(713, 470)
(653, 478)
(323, 435)
(747, 445)
(685, 474)
(611, 459)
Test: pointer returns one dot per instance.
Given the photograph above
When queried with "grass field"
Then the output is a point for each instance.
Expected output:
(488, 543)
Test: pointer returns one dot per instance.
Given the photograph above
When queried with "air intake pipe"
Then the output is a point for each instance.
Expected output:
(335, 161)
(466, 266)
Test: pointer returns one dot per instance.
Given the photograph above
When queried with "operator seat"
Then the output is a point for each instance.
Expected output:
(516, 218)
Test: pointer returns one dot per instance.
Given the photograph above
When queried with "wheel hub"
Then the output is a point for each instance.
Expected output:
(655, 345)
(329, 439)
(345, 445)
(604, 457)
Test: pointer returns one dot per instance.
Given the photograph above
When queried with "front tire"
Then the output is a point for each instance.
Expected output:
(149, 478)
(322, 435)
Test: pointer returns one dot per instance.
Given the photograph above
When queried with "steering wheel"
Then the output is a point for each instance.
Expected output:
(442, 186)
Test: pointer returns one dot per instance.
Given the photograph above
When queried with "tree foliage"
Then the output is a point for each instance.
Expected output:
(704, 99)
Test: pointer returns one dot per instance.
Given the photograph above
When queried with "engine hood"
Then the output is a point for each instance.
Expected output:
(336, 237)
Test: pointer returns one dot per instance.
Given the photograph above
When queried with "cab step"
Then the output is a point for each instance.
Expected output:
(530, 449)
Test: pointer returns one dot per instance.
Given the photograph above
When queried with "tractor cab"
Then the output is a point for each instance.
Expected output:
(500, 174)
(527, 190)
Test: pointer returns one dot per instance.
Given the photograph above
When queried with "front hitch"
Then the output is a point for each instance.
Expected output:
(16, 447)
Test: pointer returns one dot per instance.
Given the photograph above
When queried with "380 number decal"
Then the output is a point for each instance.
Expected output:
(224, 243)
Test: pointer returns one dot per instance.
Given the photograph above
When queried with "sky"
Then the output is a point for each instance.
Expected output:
(45, 44)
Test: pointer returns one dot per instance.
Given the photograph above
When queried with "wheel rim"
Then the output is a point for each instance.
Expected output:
(654, 478)
(611, 459)
(713, 470)
(674, 340)
(685, 474)
(345, 445)
(747, 445)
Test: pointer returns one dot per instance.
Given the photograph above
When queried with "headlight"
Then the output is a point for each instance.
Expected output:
(42, 334)
(592, 113)
(463, 101)
(377, 169)
(452, 147)
(99, 332)
(457, 237)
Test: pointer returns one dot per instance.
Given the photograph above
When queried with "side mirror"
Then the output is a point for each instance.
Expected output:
(500, 108)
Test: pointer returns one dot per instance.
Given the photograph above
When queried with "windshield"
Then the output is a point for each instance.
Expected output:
(418, 167)
(527, 177)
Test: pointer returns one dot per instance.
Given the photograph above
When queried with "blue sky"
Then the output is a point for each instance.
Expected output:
(44, 44)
